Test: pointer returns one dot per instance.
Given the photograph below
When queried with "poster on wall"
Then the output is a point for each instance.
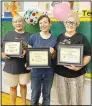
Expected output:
(45, 8)
(9, 7)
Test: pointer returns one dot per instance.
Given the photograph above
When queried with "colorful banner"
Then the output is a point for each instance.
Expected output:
(83, 8)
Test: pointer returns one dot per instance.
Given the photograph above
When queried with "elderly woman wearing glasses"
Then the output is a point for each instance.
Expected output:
(71, 78)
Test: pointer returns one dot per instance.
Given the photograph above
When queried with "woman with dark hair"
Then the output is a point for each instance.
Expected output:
(42, 78)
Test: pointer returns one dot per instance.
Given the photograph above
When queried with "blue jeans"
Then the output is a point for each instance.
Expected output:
(38, 83)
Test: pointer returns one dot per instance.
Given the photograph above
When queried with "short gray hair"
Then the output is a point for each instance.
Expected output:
(74, 15)
(18, 17)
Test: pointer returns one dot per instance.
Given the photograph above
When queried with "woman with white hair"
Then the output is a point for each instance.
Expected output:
(14, 71)
(71, 78)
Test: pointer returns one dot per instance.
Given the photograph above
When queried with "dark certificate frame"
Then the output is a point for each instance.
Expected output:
(14, 46)
(38, 58)
(70, 54)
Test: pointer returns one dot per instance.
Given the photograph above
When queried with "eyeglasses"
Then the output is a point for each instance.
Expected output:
(71, 23)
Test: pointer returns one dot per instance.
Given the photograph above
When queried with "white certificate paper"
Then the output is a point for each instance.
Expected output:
(70, 55)
(38, 58)
(12, 48)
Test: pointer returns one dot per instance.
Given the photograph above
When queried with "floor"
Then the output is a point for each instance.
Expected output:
(6, 100)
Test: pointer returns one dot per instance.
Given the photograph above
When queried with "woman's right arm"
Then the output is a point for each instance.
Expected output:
(4, 56)
(31, 41)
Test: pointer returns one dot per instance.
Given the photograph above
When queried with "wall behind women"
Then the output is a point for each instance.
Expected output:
(56, 28)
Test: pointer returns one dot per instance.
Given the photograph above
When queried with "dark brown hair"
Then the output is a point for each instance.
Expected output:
(43, 16)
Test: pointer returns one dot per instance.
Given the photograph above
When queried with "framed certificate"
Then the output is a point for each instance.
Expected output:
(13, 48)
(38, 58)
(70, 54)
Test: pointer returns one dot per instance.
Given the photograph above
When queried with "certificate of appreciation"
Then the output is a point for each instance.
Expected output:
(13, 49)
(70, 54)
(38, 57)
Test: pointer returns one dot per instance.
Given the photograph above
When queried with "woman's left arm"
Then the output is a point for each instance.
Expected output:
(85, 62)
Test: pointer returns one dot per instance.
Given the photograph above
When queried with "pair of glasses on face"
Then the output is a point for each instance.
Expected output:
(71, 23)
